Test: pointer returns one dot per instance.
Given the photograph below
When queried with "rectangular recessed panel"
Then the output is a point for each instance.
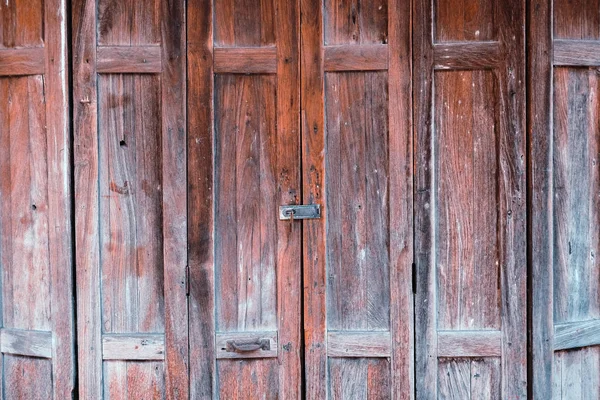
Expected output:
(129, 22)
(575, 374)
(357, 165)
(467, 223)
(27, 378)
(24, 205)
(576, 195)
(359, 378)
(576, 19)
(242, 379)
(464, 20)
(22, 23)
(246, 203)
(244, 23)
(130, 379)
(465, 378)
(355, 21)
(131, 208)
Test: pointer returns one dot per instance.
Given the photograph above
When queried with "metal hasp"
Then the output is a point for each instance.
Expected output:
(311, 211)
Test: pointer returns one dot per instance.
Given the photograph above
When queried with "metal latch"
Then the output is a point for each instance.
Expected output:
(311, 211)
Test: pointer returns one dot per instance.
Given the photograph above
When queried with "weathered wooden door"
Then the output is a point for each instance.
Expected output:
(356, 163)
(36, 335)
(130, 208)
(243, 144)
(565, 178)
(470, 199)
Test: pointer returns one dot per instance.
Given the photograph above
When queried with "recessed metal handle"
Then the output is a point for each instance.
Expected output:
(310, 211)
(248, 346)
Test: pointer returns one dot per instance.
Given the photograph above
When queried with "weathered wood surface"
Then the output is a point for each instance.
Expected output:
(130, 172)
(357, 154)
(470, 197)
(244, 104)
(35, 202)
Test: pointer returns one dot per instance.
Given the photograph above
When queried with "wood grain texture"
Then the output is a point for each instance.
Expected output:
(577, 334)
(467, 55)
(465, 378)
(245, 23)
(360, 378)
(539, 127)
(250, 60)
(355, 22)
(471, 260)
(132, 208)
(35, 223)
(465, 20)
(200, 167)
(249, 378)
(133, 347)
(469, 343)
(371, 57)
(401, 246)
(576, 19)
(581, 53)
(85, 117)
(135, 60)
(23, 342)
(22, 62)
(358, 344)
(313, 178)
(22, 24)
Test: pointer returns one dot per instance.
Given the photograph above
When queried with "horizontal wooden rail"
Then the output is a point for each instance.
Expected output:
(577, 53)
(241, 345)
(245, 60)
(24, 342)
(354, 57)
(469, 343)
(467, 55)
(128, 59)
(572, 335)
(146, 346)
(19, 62)
(359, 344)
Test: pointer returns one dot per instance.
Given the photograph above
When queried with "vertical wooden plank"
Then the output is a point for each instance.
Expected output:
(175, 184)
(60, 200)
(200, 196)
(454, 379)
(426, 363)
(5, 204)
(312, 109)
(539, 122)
(512, 197)
(401, 192)
(86, 199)
(289, 235)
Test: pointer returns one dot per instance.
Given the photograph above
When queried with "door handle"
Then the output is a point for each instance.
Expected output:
(248, 346)
(292, 212)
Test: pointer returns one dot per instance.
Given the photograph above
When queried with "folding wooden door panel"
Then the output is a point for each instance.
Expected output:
(356, 120)
(565, 167)
(470, 199)
(130, 207)
(245, 285)
(37, 359)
